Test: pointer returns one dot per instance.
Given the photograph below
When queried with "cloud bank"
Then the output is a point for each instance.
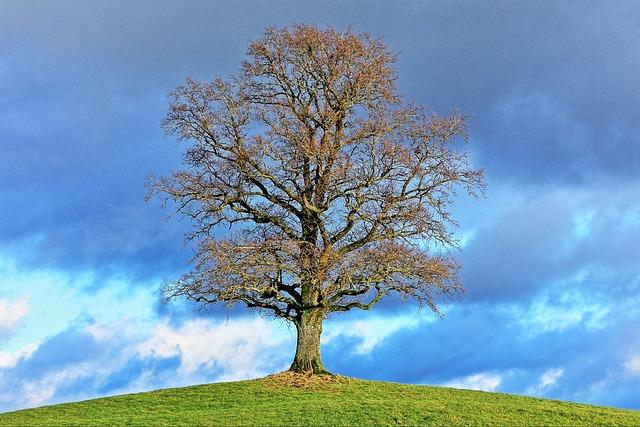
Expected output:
(550, 256)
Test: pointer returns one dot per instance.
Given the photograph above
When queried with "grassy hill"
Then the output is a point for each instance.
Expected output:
(295, 400)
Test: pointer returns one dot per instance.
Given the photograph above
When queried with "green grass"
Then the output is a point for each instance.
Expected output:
(343, 402)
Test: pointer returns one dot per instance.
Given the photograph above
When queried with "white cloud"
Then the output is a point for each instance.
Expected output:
(104, 331)
(374, 330)
(9, 359)
(236, 349)
(11, 312)
(550, 377)
(56, 299)
(562, 311)
(548, 380)
(483, 381)
(632, 366)
(240, 348)
(43, 390)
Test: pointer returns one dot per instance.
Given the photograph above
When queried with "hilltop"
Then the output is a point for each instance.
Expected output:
(288, 399)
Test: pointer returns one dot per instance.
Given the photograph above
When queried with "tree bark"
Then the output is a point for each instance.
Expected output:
(309, 328)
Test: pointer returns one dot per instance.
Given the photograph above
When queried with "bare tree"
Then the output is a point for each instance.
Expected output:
(335, 191)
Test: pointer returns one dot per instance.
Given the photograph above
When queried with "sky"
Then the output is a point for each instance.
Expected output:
(550, 255)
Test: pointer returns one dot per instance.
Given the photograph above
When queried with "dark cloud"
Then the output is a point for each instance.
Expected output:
(516, 253)
(159, 368)
(545, 237)
(84, 86)
(73, 365)
(90, 359)
(177, 311)
(481, 339)
(72, 174)
(66, 348)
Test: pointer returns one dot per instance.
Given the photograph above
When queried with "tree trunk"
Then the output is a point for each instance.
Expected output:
(307, 358)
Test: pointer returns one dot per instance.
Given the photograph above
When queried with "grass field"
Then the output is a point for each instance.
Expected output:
(290, 400)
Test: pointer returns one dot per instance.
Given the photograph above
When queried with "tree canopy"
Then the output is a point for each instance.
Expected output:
(312, 187)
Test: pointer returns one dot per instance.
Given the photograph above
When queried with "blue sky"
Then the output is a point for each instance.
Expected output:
(550, 256)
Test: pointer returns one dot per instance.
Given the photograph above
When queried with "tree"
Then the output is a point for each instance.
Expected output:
(336, 193)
